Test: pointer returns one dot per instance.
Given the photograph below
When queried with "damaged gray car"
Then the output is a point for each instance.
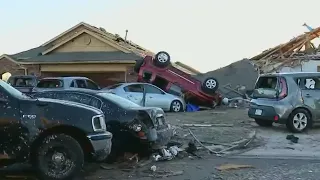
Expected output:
(135, 128)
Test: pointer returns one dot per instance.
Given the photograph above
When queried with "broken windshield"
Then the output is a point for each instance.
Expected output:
(122, 102)
(11, 90)
(266, 87)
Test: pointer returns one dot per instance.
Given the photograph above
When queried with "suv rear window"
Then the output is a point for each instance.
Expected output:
(21, 82)
(50, 83)
(270, 87)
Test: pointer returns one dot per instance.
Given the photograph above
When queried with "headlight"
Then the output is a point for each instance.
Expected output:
(98, 123)
(136, 127)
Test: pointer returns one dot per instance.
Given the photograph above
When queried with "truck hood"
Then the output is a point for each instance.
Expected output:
(69, 103)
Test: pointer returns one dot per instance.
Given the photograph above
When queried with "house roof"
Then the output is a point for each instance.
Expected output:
(130, 50)
(74, 57)
(288, 53)
(127, 49)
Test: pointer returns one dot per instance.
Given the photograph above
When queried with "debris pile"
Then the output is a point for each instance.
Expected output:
(287, 56)
(237, 82)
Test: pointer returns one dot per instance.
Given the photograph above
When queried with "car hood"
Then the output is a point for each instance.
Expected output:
(146, 108)
(70, 103)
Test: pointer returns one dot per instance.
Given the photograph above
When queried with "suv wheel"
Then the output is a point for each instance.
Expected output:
(59, 157)
(210, 85)
(137, 66)
(299, 120)
(263, 123)
(161, 59)
(176, 106)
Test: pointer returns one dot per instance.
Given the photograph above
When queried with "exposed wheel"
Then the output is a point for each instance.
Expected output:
(176, 106)
(59, 157)
(137, 66)
(162, 59)
(210, 85)
(299, 120)
(263, 123)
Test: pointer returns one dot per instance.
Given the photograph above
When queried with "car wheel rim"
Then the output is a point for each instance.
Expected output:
(176, 106)
(211, 83)
(300, 121)
(163, 58)
(57, 162)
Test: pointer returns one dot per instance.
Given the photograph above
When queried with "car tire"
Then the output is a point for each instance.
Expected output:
(137, 66)
(210, 85)
(299, 120)
(263, 123)
(66, 151)
(176, 106)
(161, 59)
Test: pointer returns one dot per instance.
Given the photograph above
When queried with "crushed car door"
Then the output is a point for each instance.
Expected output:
(155, 97)
(10, 126)
(134, 93)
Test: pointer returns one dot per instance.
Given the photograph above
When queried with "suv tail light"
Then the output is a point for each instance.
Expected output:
(283, 88)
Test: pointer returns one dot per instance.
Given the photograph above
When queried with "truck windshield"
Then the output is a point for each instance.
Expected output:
(11, 90)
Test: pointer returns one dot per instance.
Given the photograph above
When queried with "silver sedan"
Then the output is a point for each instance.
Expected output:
(155, 97)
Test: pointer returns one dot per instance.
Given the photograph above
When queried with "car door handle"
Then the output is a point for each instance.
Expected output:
(150, 97)
(308, 95)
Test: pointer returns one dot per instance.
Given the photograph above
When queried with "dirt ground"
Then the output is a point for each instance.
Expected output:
(233, 125)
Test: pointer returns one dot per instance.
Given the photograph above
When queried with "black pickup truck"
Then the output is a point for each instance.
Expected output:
(55, 136)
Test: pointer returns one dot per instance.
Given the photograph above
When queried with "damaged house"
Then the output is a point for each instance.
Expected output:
(300, 54)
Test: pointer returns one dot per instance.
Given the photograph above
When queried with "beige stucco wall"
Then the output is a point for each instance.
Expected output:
(85, 43)
(66, 36)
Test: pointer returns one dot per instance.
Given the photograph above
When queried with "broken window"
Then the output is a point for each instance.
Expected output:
(50, 83)
(311, 83)
(134, 88)
(152, 90)
(92, 85)
(267, 83)
(266, 87)
(175, 90)
(146, 76)
(113, 86)
(81, 83)
(22, 82)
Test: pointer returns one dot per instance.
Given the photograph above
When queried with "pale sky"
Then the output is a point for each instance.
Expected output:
(205, 34)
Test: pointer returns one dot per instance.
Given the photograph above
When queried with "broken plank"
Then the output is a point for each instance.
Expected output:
(226, 167)
(199, 142)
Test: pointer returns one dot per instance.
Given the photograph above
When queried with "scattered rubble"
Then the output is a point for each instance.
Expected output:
(239, 78)
(292, 138)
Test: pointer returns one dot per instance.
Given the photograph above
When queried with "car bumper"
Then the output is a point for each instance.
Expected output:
(268, 113)
(101, 143)
(160, 137)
